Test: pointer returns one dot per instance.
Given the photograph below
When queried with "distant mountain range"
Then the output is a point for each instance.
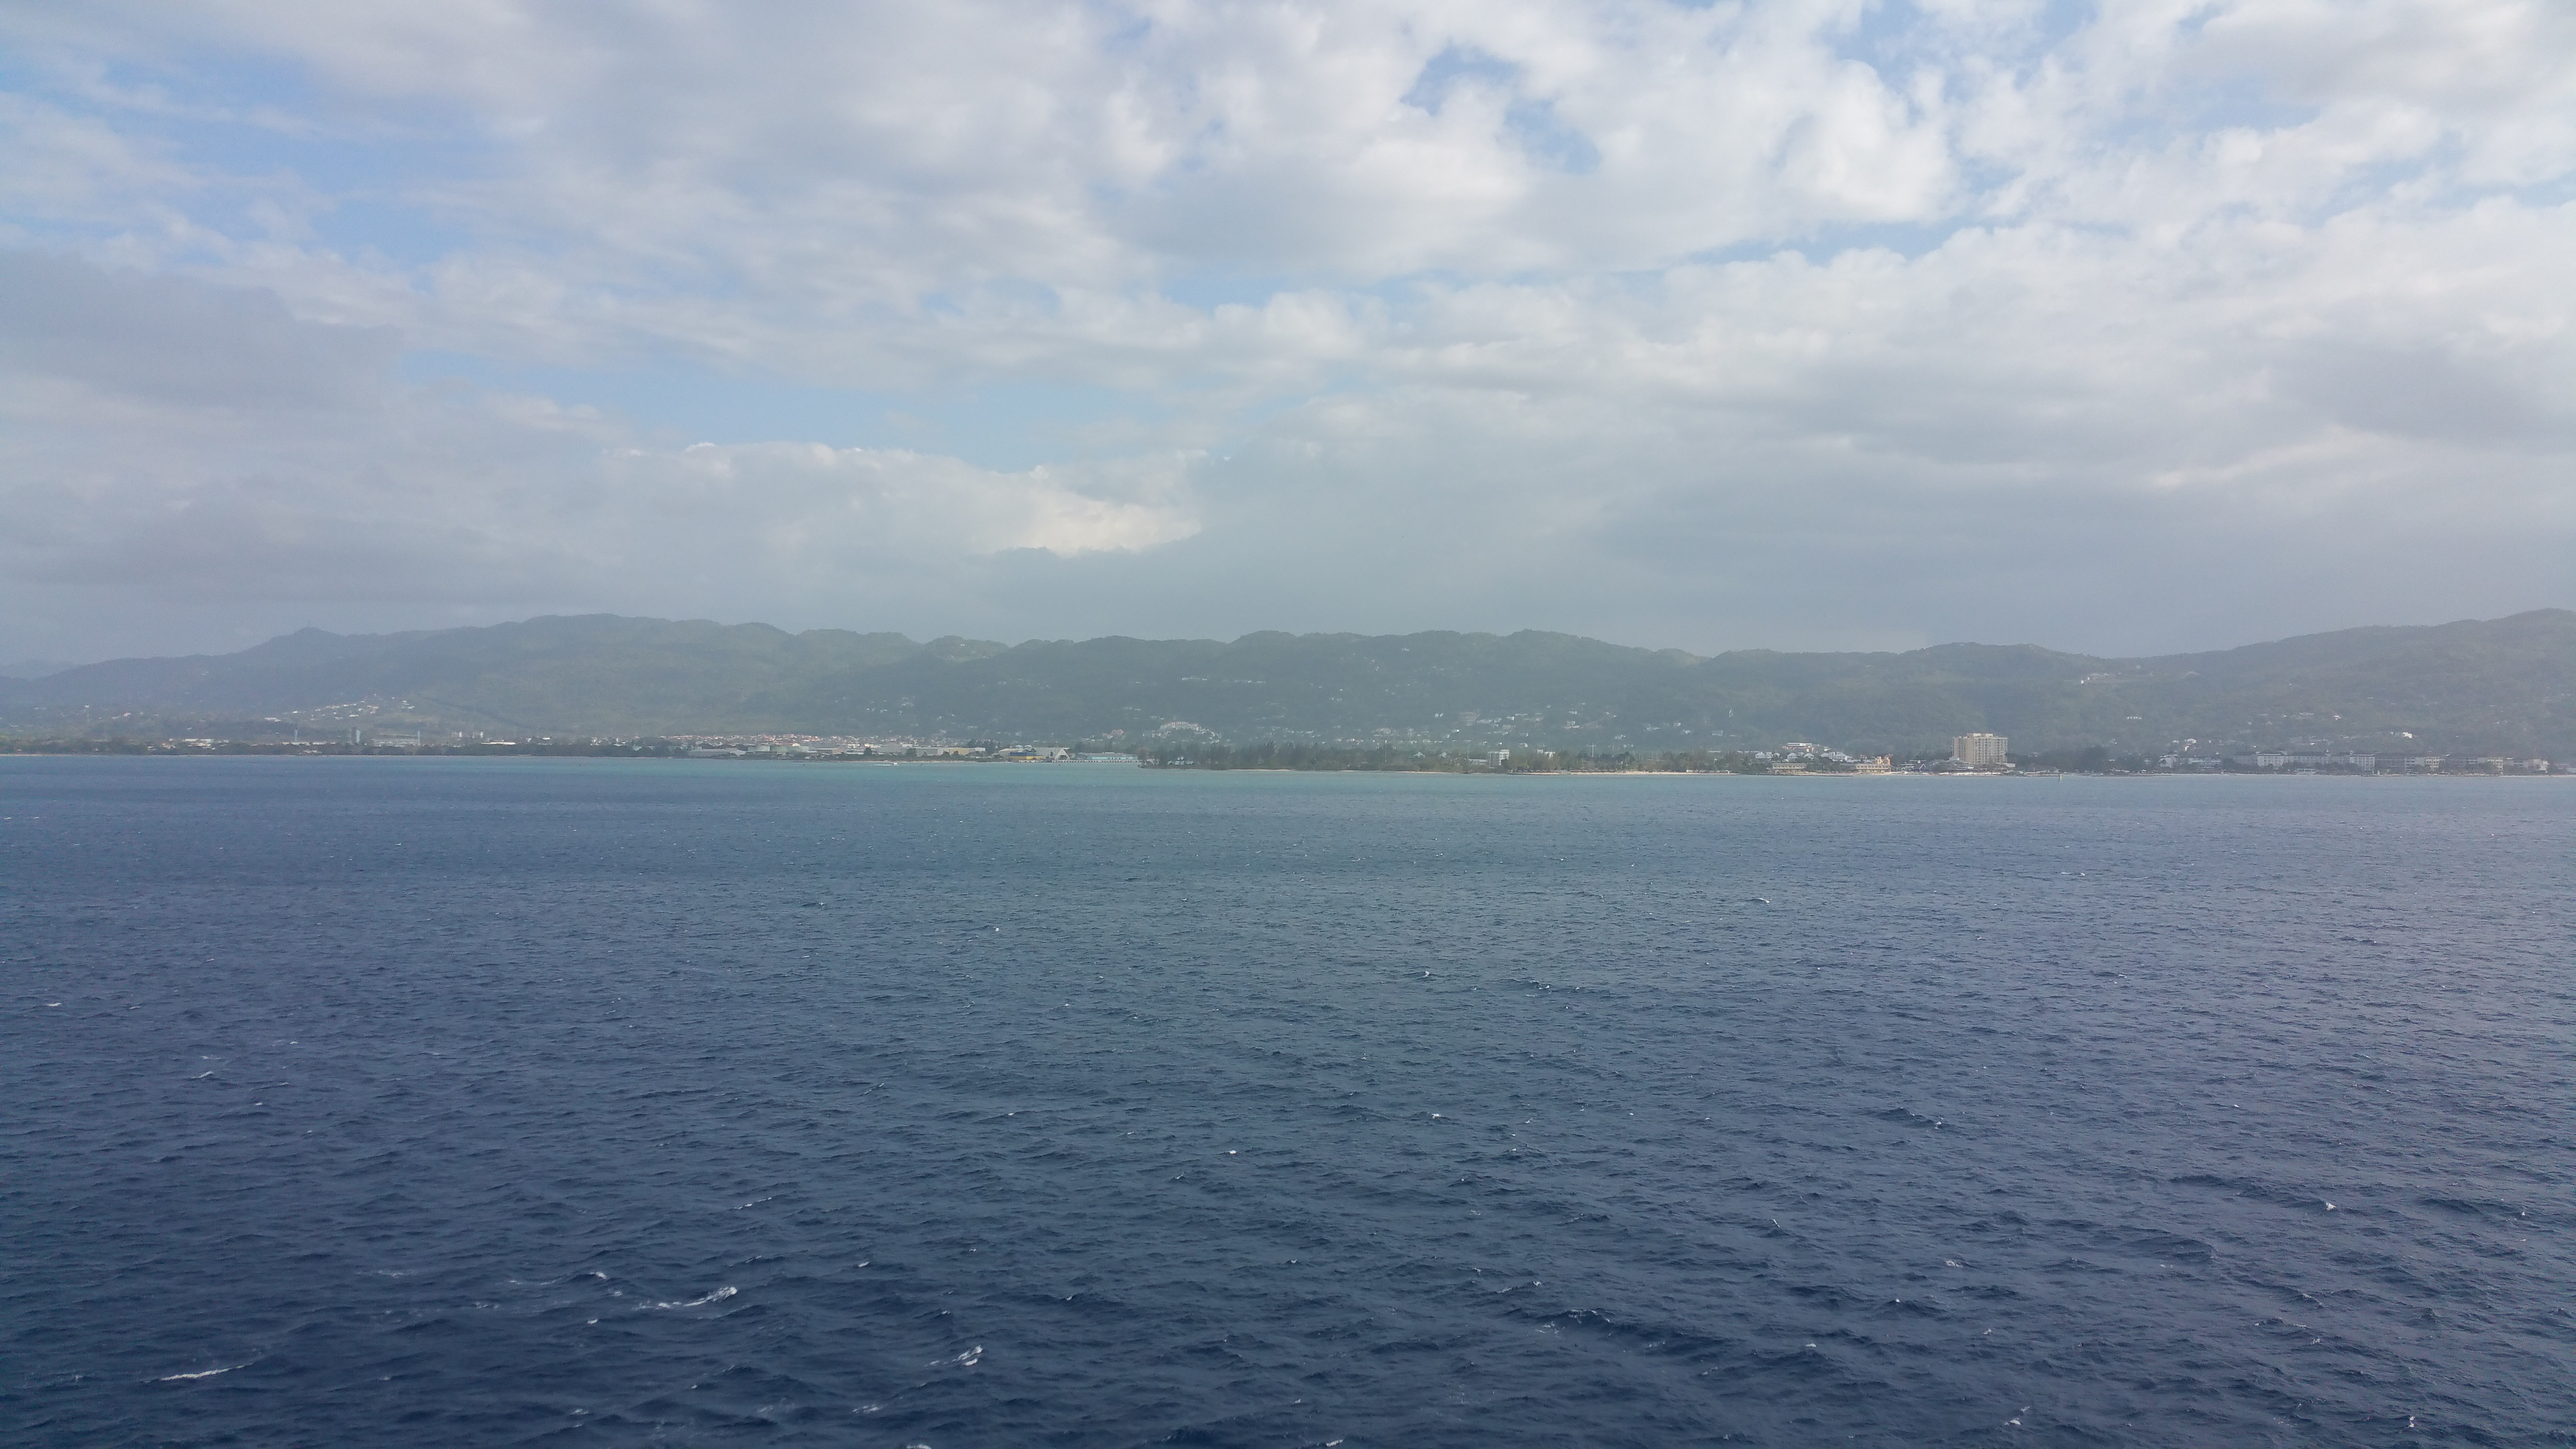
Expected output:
(2483, 686)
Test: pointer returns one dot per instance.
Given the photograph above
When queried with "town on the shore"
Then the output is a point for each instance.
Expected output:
(1969, 754)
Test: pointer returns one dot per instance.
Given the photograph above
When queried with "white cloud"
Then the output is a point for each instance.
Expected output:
(1700, 325)
(821, 508)
(167, 444)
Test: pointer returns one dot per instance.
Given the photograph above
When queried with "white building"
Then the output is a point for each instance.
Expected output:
(1978, 751)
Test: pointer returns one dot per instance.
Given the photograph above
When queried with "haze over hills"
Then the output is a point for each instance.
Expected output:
(2492, 686)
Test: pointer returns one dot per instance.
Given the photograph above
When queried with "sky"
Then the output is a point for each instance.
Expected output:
(2116, 327)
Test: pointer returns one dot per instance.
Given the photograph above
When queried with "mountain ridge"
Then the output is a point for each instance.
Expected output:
(2500, 685)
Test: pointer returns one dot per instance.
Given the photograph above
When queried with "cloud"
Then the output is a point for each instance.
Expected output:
(2156, 325)
(191, 444)
(829, 505)
(174, 341)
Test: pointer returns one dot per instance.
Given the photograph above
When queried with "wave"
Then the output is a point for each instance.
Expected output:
(717, 1296)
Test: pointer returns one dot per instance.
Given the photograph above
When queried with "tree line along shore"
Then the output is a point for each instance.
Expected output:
(1271, 755)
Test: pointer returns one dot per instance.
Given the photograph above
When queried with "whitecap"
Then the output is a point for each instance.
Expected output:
(202, 1374)
(717, 1296)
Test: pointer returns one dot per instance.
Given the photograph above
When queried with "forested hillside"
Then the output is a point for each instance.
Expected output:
(2504, 685)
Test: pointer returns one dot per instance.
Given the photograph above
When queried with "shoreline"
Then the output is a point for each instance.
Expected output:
(605, 753)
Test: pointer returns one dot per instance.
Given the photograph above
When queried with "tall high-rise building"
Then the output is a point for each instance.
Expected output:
(1980, 751)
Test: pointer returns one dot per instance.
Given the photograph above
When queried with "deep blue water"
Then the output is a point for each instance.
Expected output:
(466, 1103)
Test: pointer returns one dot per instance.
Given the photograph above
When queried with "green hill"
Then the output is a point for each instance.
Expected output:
(2492, 686)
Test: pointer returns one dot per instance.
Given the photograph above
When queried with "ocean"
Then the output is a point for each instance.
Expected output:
(449, 1102)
